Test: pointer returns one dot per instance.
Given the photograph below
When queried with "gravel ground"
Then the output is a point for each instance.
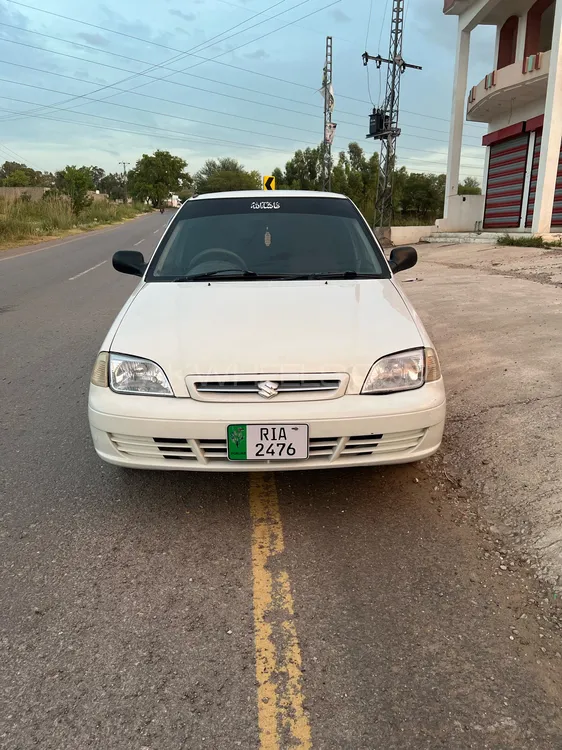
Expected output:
(496, 316)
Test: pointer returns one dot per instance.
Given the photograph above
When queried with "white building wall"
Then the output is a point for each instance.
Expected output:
(518, 114)
(550, 106)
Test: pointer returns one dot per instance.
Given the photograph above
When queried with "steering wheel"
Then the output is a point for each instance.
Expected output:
(218, 252)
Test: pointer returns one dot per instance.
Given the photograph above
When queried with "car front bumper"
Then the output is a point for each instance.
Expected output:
(145, 432)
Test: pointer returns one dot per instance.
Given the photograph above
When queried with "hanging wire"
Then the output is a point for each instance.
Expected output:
(381, 95)
(366, 42)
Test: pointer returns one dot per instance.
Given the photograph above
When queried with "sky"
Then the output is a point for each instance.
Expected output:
(100, 83)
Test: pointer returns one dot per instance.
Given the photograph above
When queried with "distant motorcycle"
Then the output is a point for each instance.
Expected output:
(161, 209)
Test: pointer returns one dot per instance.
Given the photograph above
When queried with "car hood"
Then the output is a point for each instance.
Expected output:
(279, 327)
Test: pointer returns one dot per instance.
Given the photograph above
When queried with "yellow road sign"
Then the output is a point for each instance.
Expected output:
(268, 182)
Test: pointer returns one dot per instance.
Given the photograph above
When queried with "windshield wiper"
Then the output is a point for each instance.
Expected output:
(332, 275)
(236, 274)
(231, 273)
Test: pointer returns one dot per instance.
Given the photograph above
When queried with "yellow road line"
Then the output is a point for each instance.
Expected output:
(283, 724)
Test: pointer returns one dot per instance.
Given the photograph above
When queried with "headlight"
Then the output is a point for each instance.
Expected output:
(135, 375)
(402, 372)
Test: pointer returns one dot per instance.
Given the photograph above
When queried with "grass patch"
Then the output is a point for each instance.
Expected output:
(22, 220)
(526, 241)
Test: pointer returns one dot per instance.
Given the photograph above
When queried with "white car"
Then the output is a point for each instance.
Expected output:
(266, 333)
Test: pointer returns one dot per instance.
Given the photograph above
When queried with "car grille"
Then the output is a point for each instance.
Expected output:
(252, 386)
(332, 449)
(277, 388)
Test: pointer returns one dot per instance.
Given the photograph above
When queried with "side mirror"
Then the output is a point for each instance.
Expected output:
(129, 261)
(402, 258)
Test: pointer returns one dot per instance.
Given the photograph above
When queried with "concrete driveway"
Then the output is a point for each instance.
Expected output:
(495, 314)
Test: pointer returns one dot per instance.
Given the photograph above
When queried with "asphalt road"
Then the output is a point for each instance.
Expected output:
(129, 600)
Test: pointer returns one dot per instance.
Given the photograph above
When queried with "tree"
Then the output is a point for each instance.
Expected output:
(97, 176)
(17, 178)
(415, 196)
(75, 182)
(9, 168)
(113, 185)
(470, 186)
(226, 174)
(304, 170)
(352, 174)
(421, 196)
(155, 177)
(279, 179)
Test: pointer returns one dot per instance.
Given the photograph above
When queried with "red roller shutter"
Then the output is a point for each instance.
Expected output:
(557, 208)
(534, 175)
(506, 178)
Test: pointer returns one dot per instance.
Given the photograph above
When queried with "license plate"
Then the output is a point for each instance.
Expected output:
(267, 442)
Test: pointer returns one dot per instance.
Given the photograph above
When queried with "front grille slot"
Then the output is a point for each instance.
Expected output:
(320, 449)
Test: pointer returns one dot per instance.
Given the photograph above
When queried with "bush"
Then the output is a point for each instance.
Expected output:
(525, 240)
(20, 220)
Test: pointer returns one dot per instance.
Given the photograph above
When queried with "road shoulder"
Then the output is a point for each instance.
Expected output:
(31, 245)
(494, 313)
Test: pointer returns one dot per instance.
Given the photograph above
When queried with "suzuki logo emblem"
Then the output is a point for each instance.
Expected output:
(267, 389)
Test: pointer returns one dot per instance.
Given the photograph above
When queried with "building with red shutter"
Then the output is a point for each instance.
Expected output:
(520, 100)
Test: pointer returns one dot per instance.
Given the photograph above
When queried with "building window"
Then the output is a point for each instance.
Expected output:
(508, 43)
(547, 29)
(540, 26)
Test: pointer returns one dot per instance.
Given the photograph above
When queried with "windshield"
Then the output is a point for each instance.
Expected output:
(249, 238)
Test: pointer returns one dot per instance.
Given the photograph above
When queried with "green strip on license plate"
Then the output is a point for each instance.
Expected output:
(237, 442)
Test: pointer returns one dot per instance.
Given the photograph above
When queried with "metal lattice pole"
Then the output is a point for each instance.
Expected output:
(392, 106)
(328, 107)
(384, 125)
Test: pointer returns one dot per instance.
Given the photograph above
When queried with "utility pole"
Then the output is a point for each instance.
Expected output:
(329, 126)
(125, 165)
(383, 124)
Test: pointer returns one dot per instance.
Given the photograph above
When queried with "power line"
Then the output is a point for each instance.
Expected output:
(174, 83)
(439, 166)
(173, 116)
(367, 71)
(228, 65)
(185, 85)
(175, 58)
(274, 31)
(202, 140)
(247, 10)
(212, 141)
(135, 75)
(154, 127)
(137, 38)
(148, 41)
(144, 111)
(9, 151)
(159, 99)
(171, 101)
(437, 153)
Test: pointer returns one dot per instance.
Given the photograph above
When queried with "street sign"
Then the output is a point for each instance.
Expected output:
(268, 182)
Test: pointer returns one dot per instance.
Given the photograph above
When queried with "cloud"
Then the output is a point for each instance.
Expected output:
(97, 40)
(181, 14)
(339, 16)
(259, 54)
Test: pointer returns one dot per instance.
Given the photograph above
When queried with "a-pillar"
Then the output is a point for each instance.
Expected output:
(458, 115)
(552, 134)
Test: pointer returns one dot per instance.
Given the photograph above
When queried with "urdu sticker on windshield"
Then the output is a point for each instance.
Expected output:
(265, 205)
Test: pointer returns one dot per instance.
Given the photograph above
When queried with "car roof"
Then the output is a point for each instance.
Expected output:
(269, 195)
